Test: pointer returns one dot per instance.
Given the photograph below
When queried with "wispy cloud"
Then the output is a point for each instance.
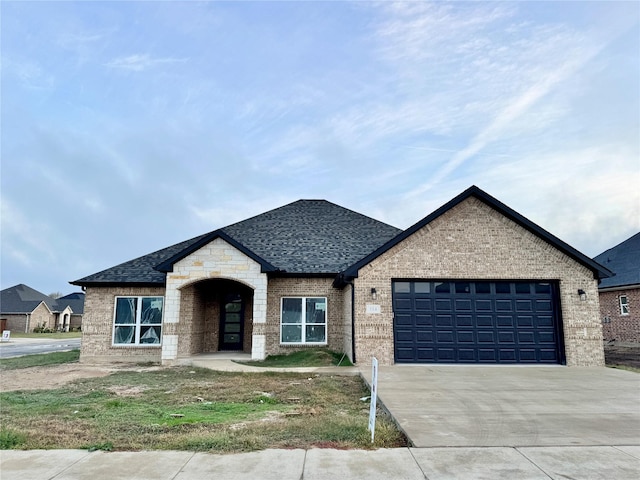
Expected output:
(141, 62)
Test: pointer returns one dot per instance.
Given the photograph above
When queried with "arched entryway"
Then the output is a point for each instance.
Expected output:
(217, 315)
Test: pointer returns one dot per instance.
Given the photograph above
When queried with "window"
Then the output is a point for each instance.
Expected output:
(624, 305)
(303, 320)
(138, 321)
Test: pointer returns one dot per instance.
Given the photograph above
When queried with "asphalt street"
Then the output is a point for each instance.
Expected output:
(17, 348)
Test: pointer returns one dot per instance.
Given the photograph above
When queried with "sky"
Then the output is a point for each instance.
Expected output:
(127, 127)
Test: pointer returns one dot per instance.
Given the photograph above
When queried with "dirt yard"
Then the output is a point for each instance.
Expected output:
(627, 355)
(53, 376)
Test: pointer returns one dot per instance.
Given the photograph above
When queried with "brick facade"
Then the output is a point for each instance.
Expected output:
(473, 241)
(303, 287)
(617, 327)
(97, 329)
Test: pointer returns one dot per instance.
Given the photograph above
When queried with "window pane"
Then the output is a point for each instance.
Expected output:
(151, 310)
(402, 287)
(150, 335)
(442, 287)
(523, 288)
(126, 310)
(483, 287)
(503, 287)
(291, 310)
(543, 288)
(291, 333)
(422, 287)
(315, 333)
(463, 287)
(316, 308)
(124, 335)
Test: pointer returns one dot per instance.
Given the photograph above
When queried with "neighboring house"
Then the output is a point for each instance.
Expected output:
(24, 309)
(620, 294)
(473, 282)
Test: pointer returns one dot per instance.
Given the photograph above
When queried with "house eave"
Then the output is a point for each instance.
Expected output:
(619, 288)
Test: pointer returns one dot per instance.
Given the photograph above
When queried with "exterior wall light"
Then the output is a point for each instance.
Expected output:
(583, 294)
(374, 294)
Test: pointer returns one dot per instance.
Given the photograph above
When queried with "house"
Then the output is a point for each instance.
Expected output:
(473, 282)
(620, 294)
(24, 309)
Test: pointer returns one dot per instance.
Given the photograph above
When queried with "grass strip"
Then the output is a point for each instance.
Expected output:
(310, 357)
(38, 360)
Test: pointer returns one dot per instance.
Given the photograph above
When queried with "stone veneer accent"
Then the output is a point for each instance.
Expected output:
(97, 327)
(216, 260)
(473, 241)
(302, 287)
(617, 327)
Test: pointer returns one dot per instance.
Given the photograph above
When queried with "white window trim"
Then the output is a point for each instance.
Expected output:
(623, 305)
(138, 324)
(304, 324)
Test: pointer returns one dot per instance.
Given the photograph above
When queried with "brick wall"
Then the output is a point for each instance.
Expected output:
(615, 326)
(42, 317)
(303, 287)
(97, 328)
(17, 323)
(473, 241)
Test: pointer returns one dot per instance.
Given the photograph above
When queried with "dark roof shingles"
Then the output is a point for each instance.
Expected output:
(624, 261)
(304, 237)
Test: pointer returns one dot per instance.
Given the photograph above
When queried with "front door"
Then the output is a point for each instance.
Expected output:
(231, 322)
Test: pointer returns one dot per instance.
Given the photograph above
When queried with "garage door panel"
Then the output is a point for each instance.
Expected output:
(476, 322)
(423, 320)
(462, 305)
(524, 321)
(444, 320)
(444, 336)
(504, 305)
(467, 355)
(423, 304)
(443, 305)
(466, 336)
(506, 337)
(402, 304)
(505, 321)
(403, 319)
(483, 305)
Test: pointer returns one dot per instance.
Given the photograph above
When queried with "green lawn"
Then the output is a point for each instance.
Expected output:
(311, 357)
(39, 359)
(55, 335)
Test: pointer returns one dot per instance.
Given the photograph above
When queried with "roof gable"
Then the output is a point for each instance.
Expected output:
(624, 261)
(598, 270)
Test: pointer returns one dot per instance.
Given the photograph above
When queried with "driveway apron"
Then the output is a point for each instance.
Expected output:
(497, 406)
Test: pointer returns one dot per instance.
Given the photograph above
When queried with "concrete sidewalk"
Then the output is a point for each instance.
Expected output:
(492, 463)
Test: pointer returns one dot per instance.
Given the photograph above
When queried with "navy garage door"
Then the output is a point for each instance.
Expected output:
(476, 322)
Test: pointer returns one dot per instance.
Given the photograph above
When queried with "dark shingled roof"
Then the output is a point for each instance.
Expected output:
(303, 237)
(624, 261)
(24, 299)
(139, 271)
(73, 300)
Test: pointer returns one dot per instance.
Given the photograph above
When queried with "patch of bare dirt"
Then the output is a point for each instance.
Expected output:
(53, 376)
(627, 355)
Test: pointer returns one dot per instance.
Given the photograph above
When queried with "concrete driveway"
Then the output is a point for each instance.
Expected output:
(497, 406)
